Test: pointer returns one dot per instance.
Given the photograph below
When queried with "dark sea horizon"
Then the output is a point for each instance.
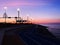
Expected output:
(54, 28)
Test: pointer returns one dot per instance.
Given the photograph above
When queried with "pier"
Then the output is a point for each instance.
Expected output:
(27, 34)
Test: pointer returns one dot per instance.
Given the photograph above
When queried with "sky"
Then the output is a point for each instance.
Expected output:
(40, 11)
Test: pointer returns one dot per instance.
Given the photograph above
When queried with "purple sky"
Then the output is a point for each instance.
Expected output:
(36, 9)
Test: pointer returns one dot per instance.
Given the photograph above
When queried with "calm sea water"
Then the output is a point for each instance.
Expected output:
(54, 29)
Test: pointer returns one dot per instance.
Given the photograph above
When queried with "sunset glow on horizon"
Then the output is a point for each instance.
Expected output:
(39, 11)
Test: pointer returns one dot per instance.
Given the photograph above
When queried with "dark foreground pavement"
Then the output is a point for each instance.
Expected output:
(29, 35)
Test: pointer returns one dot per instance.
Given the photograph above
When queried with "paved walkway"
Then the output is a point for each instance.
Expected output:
(6, 29)
(2, 32)
(28, 35)
(1, 36)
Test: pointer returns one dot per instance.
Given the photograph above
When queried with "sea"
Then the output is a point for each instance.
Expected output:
(54, 28)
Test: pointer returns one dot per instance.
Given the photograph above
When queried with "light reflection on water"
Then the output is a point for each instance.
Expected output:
(54, 29)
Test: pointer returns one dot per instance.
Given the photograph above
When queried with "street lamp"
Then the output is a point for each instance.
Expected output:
(5, 8)
(5, 15)
(18, 10)
(27, 17)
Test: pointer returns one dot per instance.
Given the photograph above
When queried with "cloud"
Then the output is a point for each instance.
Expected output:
(23, 3)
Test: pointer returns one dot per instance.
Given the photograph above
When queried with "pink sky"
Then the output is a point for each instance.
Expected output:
(41, 11)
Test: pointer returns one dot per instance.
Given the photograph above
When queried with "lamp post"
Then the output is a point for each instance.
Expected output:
(27, 17)
(18, 10)
(5, 15)
(31, 20)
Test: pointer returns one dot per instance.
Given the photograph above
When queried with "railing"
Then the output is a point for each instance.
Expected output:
(14, 20)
